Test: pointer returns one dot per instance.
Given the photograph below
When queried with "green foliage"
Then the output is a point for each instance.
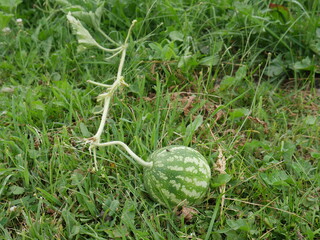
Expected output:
(7, 8)
(240, 70)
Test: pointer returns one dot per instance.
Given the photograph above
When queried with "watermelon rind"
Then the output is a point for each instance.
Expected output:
(179, 176)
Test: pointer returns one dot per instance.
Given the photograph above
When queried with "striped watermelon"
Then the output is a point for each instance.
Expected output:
(179, 175)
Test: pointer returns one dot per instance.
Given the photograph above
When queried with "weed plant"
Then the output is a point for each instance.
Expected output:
(239, 75)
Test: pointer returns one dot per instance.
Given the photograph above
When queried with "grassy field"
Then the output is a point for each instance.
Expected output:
(236, 80)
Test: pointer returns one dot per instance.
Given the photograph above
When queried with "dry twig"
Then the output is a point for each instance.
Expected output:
(221, 168)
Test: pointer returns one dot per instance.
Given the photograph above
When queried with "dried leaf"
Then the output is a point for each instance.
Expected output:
(257, 120)
(7, 90)
(84, 37)
(187, 213)
(188, 106)
(221, 168)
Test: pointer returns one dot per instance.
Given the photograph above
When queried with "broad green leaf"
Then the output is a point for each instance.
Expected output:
(220, 180)
(239, 112)
(274, 70)
(16, 190)
(209, 61)
(84, 130)
(241, 73)
(113, 207)
(128, 213)
(187, 60)
(38, 105)
(315, 46)
(217, 46)
(302, 168)
(119, 231)
(287, 150)
(304, 64)
(90, 18)
(84, 37)
(310, 120)
(4, 19)
(167, 52)
(34, 154)
(239, 224)
(81, 5)
(9, 5)
(75, 230)
(227, 82)
(315, 155)
(253, 145)
(276, 178)
(276, 67)
(192, 127)
(176, 36)
(89, 12)
(157, 50)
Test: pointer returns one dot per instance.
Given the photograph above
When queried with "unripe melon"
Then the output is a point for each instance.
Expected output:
(179, 175)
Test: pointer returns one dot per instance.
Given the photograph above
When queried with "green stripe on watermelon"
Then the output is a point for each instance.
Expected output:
(179, 175)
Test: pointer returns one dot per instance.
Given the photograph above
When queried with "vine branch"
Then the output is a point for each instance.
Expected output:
(85, 39)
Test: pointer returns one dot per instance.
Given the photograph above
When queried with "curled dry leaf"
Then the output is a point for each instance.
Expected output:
(51, 211)
(263, 123)
(188, 105)
(187, 100)
(151, 97)
(221, 168)
(186, 213)
(7, 90)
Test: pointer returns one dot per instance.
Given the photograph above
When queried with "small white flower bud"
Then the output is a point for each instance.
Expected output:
(6, 30)
(19, 22)
(13, 208)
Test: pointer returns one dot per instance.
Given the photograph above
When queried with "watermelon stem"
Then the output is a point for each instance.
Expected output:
(131, 153)
(85, 39)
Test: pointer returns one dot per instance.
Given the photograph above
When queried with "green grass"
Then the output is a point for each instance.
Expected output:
(249, 76)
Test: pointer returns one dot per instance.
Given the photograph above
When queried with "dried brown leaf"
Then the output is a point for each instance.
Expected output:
(187, 213)
(263, 123)
(188, 105)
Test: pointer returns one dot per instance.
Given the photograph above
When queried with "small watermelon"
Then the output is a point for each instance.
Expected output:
(179, 175)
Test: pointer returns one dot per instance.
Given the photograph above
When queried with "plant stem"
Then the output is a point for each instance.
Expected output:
(99, 84)
(119, 81)
(108, 49)
(106, 96)
(103, 119)
(107, 37)
(131, 153)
